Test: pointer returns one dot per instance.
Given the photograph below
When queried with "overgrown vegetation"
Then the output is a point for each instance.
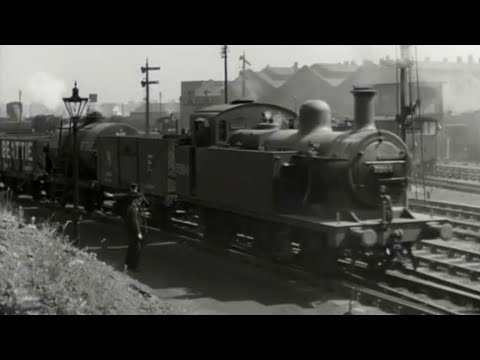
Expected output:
(42, 273)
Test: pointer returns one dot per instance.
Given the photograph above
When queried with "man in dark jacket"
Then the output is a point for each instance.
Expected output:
(133, 221)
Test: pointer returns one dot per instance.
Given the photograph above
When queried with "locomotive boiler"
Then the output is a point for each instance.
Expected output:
(339, 170)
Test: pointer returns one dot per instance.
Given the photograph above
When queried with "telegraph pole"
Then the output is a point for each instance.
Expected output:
(225, 57)
(1, 79)
(160, 106)
(405, 66)
(406, 109)
(146, 84)
(21, 106)
(245, 62)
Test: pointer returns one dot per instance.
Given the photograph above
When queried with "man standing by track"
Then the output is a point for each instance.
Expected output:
(133, 222)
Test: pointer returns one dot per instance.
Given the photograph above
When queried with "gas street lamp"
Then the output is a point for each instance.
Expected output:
(75, 106)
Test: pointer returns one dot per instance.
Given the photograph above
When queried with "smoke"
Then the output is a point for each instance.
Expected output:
(46, 89)
(462, 95)
(117, 111)
(365, 52)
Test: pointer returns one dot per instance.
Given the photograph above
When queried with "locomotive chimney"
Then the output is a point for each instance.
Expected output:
(364, 108)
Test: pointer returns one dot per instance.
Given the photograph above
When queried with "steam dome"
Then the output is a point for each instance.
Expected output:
(314, 114)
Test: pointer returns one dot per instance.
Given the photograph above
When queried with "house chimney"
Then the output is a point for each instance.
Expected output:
(364, 108)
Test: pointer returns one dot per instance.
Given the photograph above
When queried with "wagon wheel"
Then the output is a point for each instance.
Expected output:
(37, 191)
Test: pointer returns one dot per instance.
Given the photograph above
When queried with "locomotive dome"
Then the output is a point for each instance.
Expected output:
(314, 114)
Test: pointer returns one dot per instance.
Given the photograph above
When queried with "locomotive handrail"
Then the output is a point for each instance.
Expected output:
(392, 179)
(383, 162)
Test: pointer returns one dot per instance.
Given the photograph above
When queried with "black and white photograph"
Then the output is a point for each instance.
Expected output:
(260, 180)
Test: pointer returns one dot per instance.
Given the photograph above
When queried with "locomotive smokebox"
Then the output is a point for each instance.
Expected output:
(364, 108)
(314, 114)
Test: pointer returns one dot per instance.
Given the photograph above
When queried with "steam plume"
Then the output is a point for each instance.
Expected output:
(47, 89)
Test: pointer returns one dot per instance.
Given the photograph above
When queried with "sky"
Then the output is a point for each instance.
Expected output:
(45, 73)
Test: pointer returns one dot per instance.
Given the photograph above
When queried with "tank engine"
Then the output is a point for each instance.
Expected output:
(332, 194)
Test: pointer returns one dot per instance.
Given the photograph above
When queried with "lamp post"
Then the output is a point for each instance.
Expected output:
(75, 106)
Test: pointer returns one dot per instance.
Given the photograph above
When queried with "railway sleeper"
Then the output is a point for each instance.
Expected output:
(452, 269)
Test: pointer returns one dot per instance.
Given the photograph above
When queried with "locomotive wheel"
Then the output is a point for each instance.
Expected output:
(263, 240)
(219, 230)
(36, 190)
(89, 205)
(274, 242)
(377, 265)
(318, 257)
(161, 216)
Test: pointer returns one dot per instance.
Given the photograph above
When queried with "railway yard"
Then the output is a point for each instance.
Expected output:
(254, 208)
(183, 267)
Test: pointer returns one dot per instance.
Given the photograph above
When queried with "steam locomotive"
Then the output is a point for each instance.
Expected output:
(250, 176)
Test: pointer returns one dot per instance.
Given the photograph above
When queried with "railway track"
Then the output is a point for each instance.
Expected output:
(458, 171)
(424, 289)
(447, 183)
(396, 292)
(455, 263)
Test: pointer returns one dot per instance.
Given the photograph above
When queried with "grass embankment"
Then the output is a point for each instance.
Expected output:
(41, 273)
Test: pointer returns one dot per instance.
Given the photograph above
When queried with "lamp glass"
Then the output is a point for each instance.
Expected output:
(75, 104)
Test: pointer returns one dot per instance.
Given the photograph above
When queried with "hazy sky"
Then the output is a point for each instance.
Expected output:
(43, 72)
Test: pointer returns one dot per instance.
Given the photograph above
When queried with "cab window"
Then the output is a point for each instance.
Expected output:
(237, 124)
(429, 128)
